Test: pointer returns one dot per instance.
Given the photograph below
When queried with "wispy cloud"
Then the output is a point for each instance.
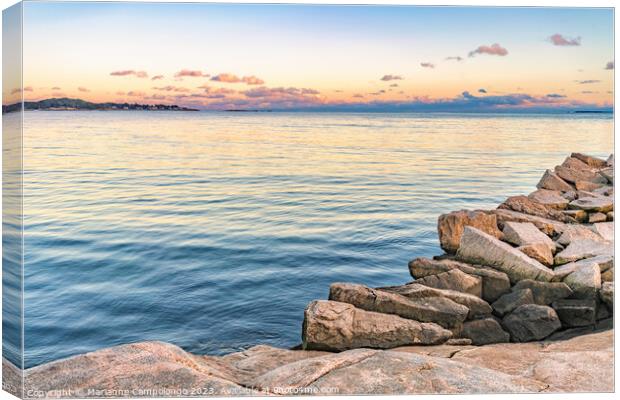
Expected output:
(191, 73)
(56, 88)
(427, 65)
(588, 81)
(493, 50)
(130, 72)
(157, 77)
(481, 90)
(560, 40)
(387, 78)
(454, 58)
(134, 93)
(556, 96)
(610, 65)
(83, 89)
(171, 88)
(232, 78)
(394, 85)
(28, 89)
(252, 80)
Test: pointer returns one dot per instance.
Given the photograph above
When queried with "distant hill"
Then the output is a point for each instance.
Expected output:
(78, 104)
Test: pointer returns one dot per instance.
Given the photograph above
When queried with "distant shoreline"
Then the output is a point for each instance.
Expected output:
(66, 104)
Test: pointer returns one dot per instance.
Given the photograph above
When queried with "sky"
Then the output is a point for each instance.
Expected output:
(227, 56)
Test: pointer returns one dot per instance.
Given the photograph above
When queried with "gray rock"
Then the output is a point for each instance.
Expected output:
(450, 227)
(604, 230)
(539, 252)
(544, 293)
(607, 294)
(549, 198)
(494, 283)
(477, 306)
(608, 173)
(547, 226)
(593, 162)
(585, 281)
(525, 233)
(485, 331)
(575, 312)
(510, 301)
(610, 160)
(479, 247)
(570, 233)
(593, 204)
(584, 248)
(531, 322)
(455, 280)
(551, 181)
(603, 262)
(334, 326)
(440, 310)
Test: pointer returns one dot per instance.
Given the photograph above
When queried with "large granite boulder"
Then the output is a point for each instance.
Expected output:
(450, 227)
(604, 230)
(593, 204)
(585, 281)
(573, 175)
(531, 322)
(546, 225)
(593, 162)
(539, 252)
(608, 173)
(524, 204)
(575, 163)
(525, 233)
(551, 181)
(477, 306)
(549, 198)
(576, 312)
(494, 283)
(442, 311)
(544, 293)
(513, 300)
(584, 248)
(334, 326)
(455, 280)
(570, 233)
(607, 294)
(484, 331)
(604, 262)
(479, 247)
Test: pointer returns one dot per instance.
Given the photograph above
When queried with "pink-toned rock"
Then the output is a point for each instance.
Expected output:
(450, 227)
(523, 204)
(549, 198)
(594, 162)
(550, 180)
(539, 252)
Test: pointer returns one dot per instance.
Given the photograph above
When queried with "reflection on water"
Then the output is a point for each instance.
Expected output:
(214, 230)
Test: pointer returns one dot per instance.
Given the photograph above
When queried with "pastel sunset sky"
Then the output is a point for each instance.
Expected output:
(320, 57)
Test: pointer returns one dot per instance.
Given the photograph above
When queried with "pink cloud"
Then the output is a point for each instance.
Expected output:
(171, 88)
(559, 40)
(427, 65)
(190, 73)
(454, 58)
(387, 78)
(156, 77)
(130, 72)
(120, 93)
(226, 78)
(55, 88)
(252, 80)
(610, 65)
(494, 50)
(136, 93)
(83, 89)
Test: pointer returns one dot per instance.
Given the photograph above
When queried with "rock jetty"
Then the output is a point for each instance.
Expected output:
(537, 269)
(536, 265)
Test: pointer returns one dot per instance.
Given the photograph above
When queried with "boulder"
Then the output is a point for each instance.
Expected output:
(442, 311)
(608, 173)
(544, 293)
(484, 331)
(587, 186)
(610, 160)
(606, 294)
(593, 204)
(524, 205)
(585, 281)
(477, 307)
(479, 247)
(575, 312)
(574, 175)
(597, 217)
(455, 280)
(593, 162)
(334, 326)
(577, 215)
(494, 283)
(570, 233)
(570, 196)
(605, 191)
(610, 216)
(549, 198)
(607, 276)
(603, 262)
(510, 301)
(551, 181)
(450, 227)
(531, 322)
(539, 252)
(575, 163)
(547, 226)
(584, 248)
(604, 230)
(525, 233)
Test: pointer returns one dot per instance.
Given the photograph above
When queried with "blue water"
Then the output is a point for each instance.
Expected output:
(213, 231)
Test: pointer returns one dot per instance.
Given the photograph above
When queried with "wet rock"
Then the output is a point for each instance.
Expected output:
(544, 293)
(577, 215)
(523, 204)
(539, 252)
(551, 181)
(479, 247)
(597, 217)
(575, 312)
(574, 175)
(593, 162)
(547, 226)
(450, 227)
(510, 301)
(584, 248)
(494, 283)
(455, 280)
(585, 281)
(334, 326)
(439, 310)
(484, 331)
(531, 322)
(593, 204)
(549, 198)
(477, 307)
(604, 230)
(525, 233)
(606, 294)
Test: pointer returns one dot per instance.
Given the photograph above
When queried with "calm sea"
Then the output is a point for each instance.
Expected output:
(213, 231)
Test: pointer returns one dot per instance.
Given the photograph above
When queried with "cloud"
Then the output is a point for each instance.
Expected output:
(214, 90)
(427, 65)
(377, 93)
(394, 85)
(454, 58)
(156, 97)
(387, 78)
(610, 65)
(556, 96)
(190, 73)
(588, 81)
(119, 93)
(493, 50)
(559, 40)
(56, 88)
(232, 78)
(171, 88)
(252, 80)
(588, 92)
(482, 90)
(358, 95)
(83, 89)
(130, 72)
(28, 89)
(136, 93)
(157, 77)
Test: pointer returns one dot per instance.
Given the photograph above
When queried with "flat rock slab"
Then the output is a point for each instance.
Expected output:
(593, 162)
(545, 293)
(442, 311)
(551, 181)
(547, 226)
(477, 306)
(604, 230)
(478, 247)
(484, 331)
(593, 204)
(584, 248)
(570, 233)
(573, 175)
(604, 263)
(525, 233)
(531, 322)
(455, 280)
(525, 205)
(597, 217)
(450, 227)
(549, 198)
(575, 312)
(510, 301)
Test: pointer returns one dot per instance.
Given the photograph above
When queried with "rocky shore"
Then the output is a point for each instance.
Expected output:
(521, 301)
